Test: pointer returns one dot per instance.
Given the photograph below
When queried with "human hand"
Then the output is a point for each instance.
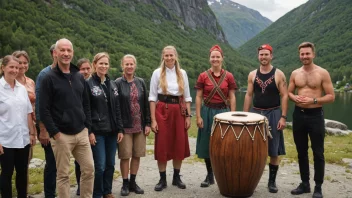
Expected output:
(92, 139)
(200, 122)
(32, 140)
(119, 137)
(281, 124)
(188, 122)
(155, 126)
(44, 137)
(147, 130)
(1, 150)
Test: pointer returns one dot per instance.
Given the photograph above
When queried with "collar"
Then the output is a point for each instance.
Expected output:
(221, 72)
(97, 78)
(73, 69)
(7, 85)
(171, 70)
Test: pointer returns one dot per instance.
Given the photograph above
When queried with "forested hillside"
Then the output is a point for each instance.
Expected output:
(326, 23)
(239, 23)
(141, 28)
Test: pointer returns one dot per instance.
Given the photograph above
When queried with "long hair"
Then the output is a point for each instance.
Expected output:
(163, 81)
(97, 57)
(5, 61)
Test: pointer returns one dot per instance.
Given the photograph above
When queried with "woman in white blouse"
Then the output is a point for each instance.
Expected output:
(16, 129)
(170, 107)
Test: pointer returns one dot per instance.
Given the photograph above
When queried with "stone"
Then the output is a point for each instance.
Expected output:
(36, 163)
(335, 124)
(338, 132)
(347, 161)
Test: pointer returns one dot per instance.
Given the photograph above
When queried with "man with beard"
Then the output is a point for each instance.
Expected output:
(311, 81)
(268, 85)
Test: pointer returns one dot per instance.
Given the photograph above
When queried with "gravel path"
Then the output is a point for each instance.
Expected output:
(338, 183)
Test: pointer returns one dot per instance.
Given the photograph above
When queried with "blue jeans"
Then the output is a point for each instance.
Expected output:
(49, 172)
(104, 153)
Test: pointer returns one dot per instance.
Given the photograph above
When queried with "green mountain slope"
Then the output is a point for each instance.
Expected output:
(239, 23)
(326, 23)
(141, 28)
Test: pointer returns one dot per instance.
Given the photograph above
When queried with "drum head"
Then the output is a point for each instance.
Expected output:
(239, 117)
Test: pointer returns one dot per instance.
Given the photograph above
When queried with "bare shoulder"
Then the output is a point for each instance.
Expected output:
(322, 71)
(252, 73)
(296, 71)
(280, 73)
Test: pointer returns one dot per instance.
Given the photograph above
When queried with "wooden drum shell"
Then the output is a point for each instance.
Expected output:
(238, 162)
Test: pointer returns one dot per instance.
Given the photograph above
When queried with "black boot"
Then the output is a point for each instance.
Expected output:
(317, 192)
(209, 180)
(162, 182)
(125, 188)
(272, 177)
(133, 187)
(176, 181)
(303, 187)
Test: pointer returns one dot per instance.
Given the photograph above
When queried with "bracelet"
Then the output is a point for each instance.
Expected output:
(189, 116)
(284, 117)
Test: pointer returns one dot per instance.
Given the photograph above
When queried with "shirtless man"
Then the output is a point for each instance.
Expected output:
(311, 81)
(268, 84)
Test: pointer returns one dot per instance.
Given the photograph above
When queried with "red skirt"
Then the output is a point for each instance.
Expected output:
(171, 141)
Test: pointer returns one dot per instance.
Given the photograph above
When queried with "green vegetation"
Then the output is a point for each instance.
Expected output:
(325, 23)
(238, 22)
(119, 27)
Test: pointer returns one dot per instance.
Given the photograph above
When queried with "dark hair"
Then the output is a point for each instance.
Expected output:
(81, 61)
(305, 45)
(4, 61)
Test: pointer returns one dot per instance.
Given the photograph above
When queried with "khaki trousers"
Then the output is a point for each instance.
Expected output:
(80, 148)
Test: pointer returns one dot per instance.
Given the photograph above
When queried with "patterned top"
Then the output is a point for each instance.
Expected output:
(135, 110)
(30, 87)
(205, 83)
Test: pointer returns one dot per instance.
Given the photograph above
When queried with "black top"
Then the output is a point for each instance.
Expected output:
(266, 94)
(64, 102)
(105, 106)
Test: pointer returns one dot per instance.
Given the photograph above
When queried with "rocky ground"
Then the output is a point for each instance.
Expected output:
(338, 182)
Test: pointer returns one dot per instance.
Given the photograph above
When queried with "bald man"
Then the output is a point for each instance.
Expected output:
(65, 112)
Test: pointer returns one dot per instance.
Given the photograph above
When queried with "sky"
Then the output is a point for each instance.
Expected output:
(272, 9)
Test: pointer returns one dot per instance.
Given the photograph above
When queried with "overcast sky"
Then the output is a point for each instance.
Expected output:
(272, 9)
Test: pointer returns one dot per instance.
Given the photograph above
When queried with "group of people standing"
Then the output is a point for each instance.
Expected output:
(81, 111)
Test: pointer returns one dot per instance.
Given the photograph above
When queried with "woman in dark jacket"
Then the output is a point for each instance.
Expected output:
(106, 124)
(136, 123)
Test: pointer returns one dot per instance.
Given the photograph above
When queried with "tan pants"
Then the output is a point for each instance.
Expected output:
(80, 148)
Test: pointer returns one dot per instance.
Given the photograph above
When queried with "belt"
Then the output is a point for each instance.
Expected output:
(216, 105)
(169, 99)
(316, 110)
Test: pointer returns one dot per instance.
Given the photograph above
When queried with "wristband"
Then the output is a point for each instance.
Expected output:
(284, 117)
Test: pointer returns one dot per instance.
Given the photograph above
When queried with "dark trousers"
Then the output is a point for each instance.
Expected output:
(309, 122)
(14, 158)
(49, 170)
(78, 172)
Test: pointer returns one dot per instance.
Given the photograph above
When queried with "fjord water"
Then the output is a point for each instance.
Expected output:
(340, 110)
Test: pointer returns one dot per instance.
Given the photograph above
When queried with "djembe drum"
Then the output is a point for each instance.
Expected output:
(238, 151)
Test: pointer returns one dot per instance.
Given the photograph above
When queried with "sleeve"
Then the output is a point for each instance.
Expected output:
(86, 106)
(46, 99)
(231, 81)
(186, 93)
(154, 83)
(200, 82)
(37, 90)
(147, 117)
(118, 113)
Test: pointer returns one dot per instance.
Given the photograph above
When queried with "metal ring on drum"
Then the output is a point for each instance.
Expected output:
(238, 151)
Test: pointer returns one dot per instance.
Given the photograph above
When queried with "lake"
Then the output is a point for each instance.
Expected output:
(340, 110)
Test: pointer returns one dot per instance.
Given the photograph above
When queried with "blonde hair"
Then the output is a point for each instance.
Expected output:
(163, 81)
(97, 57)
(20, 53)
(5, 61)
(128, 56)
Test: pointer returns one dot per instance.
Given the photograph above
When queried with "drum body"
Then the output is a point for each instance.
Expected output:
(238, 152)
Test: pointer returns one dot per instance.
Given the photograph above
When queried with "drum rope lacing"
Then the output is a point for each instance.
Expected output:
(257, 127)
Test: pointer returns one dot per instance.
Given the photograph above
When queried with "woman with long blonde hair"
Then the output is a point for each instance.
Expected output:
(170, 108)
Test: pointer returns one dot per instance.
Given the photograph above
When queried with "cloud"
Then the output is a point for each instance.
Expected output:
(272, 9)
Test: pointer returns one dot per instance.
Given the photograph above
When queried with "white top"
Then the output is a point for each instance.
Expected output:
(172, 86)
(14, 109)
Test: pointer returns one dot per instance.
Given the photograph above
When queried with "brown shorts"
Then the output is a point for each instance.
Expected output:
(132, 145)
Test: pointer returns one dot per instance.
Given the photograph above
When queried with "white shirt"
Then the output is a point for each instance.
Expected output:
(14, 109)
(172, 86)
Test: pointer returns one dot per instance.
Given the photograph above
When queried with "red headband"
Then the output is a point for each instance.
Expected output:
(216, 48)
(265, 47)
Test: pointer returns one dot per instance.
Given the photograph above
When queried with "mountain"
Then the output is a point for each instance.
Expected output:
(326, 23)
(139, 27)
(239, 23)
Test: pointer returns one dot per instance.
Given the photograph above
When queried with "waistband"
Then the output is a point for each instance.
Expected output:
(266, 109)
(169, 99)
(316, 110)
(216, 105)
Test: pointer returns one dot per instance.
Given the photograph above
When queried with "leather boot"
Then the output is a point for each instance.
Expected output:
(317, 192)
(303, 187)
(209, 180)
(176, 181)
(161, 185)
(272, 178)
